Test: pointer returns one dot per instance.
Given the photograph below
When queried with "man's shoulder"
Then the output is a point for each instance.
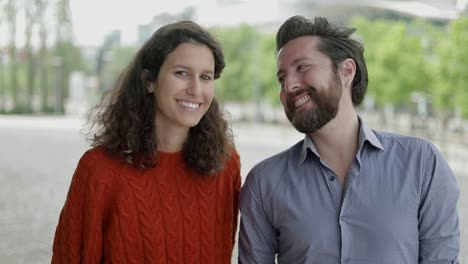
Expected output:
(269, 174)
(288, 155)
(272, 168)
(390, 137)
(405, 143)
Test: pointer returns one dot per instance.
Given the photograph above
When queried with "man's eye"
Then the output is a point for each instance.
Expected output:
(281, 79)
(206, 77)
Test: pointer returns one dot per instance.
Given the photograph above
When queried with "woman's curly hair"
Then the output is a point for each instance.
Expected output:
(123, 122)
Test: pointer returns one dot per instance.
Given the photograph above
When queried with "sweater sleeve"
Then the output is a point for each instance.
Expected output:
(78, 237)
(236, 191)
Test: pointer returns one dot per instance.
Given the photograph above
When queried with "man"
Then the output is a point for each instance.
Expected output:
(346, 193)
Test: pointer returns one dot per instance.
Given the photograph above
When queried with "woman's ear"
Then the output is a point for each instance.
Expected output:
(151, 87)
(146, 80)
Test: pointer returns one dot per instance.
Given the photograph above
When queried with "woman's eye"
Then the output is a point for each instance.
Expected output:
(182, 73)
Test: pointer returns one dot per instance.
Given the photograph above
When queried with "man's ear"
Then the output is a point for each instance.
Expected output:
(348, 71)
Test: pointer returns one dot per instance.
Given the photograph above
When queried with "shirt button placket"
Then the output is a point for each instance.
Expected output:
(344, 240)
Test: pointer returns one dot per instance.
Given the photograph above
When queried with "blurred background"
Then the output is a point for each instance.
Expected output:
(57, 57)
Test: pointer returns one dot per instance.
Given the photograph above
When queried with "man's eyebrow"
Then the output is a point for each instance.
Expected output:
(296, 61)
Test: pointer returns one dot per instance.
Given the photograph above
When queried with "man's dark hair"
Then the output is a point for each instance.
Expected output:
(335, 42)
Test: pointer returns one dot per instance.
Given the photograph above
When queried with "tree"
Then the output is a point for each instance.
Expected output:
(2, 84)
(119, 59)
(238, 80)
(11, 9)
(269, 85)
(452, 68)
(42, 6)
(31, 12)
(396, 60)
(67, 57)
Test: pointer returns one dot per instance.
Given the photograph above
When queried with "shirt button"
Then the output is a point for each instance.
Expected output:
(331, 178)
(342, 218)
(347, 260)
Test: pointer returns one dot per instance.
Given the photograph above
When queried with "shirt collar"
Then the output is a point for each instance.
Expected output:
(365, 134)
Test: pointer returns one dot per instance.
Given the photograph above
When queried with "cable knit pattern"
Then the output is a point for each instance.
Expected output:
(116, 213)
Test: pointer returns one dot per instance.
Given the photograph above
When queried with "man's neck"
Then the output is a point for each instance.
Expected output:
(337, 142)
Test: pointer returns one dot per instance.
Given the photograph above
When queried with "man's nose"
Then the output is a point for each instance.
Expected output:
(291, 83)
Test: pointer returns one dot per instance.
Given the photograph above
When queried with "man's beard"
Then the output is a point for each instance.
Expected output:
(325, 109)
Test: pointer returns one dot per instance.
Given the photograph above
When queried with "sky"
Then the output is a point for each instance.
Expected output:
(92, 19)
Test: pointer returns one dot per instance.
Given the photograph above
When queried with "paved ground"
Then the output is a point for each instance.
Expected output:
(38, 157)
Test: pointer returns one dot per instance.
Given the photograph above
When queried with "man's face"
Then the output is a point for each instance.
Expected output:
(310, 89)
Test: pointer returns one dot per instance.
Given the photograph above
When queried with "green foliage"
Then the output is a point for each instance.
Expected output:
(402, 58)
(396, 59)
(238, 78)
(451, 69)
(119, 59)
(71, 56)
(67, 58)
(250, 65)
(269, 85)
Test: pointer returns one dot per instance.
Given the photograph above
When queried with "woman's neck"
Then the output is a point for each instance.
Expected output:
(170, 140)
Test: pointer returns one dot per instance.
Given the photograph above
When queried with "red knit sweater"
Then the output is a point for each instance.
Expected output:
(116, 213)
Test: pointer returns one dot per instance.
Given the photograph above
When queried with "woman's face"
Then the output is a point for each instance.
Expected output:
(184, 88)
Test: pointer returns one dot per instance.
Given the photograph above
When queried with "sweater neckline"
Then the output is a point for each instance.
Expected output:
(177, 156)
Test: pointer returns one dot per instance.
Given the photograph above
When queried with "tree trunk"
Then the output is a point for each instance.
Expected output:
(43, 77)
(64, 36)
(2, 87)
(31, 17)
(42, 57)
(11, 10)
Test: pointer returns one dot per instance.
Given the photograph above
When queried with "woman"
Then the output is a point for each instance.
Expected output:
(161, 184)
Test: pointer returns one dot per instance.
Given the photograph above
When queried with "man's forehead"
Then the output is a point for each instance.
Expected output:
(310, 56)
(298, 47)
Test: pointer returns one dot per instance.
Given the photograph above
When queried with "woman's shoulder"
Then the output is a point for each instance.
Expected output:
(232, 164)
(234, 158)
(99, 162)
(98, 154)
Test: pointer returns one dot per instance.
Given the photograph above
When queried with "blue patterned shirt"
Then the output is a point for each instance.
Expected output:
(398, 206)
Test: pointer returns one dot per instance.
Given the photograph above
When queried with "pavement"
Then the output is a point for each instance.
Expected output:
(39, 154)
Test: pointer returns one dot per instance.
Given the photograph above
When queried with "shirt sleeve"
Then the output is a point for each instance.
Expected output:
(258, 242)
(439, 235)
(78, 237)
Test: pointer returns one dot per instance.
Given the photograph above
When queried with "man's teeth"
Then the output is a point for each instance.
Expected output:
(302, 101)
(189, 105)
